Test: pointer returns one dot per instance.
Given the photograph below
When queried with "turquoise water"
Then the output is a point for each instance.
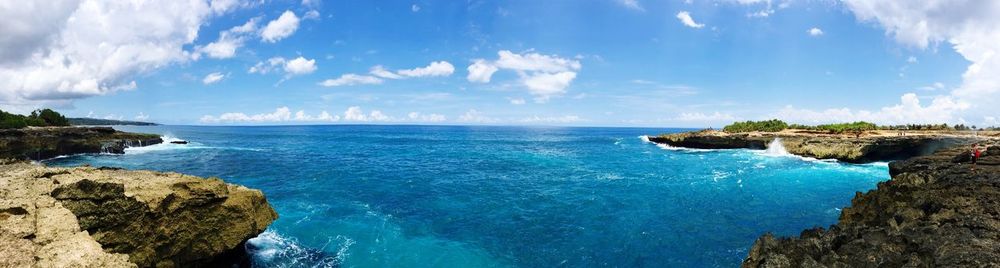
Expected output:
(435, 196)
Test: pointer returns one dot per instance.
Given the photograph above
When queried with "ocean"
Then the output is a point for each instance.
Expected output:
(482, 196)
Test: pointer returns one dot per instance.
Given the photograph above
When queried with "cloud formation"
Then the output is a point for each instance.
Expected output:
(213, 78)
(545, 76)
(970, 27)
(280, 28)
(686, 19)
(66, 49)
(281, 114)
(350, 80)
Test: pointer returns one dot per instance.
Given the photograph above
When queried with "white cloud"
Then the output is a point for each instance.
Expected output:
(909, 110)
(350, 80)
(212, 78)
(550, 119)
(473, 116)
(55, 51)
(223, 6)
(480, 71)
(311, 15)
(293, 67)
(544, 76)
(142, 116)
(932, 87)
(517, 101)
(264, 67)
(437, 68)
(814, 31)
(415, 8)
(972, 28)
(545, 85)
(281, 114)
(911, 59)
(686, 19)
(354, 113)
(701, 117)
(416, 116)
(229, 41)
(280, 28)
(300, 66)
(534, 62)
(380, 71)
(631, 4)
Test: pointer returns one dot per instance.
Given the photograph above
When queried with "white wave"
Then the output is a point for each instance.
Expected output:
(645, 138)
(271, 249)
(167, 145)
(776, 148)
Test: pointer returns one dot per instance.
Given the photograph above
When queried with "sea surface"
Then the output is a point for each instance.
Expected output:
(456, 196)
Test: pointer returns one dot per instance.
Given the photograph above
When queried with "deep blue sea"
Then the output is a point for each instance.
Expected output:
(454, 196)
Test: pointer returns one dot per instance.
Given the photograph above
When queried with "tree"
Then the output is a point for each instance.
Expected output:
(50, 117)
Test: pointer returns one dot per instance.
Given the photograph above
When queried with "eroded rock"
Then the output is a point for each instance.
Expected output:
(936, 211)
(94, 217)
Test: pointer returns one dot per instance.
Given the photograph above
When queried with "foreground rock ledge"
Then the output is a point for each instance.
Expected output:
(101, 217)
(934, 212)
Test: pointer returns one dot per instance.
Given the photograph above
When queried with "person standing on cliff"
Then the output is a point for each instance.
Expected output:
(975, 155)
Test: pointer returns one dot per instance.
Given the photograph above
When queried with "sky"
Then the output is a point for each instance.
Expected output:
(516, 62)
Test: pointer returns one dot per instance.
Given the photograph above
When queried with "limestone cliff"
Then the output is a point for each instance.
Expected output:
(38, 143)
(847, 148)
(100, 217)
(934, 212)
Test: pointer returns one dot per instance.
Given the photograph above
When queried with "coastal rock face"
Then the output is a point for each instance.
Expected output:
(38, 143)
(100, 217)
(934, 212)
(847, 148)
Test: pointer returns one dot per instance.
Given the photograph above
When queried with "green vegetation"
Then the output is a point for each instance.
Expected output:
(37, 118)
(105, 122)
(773, 125)
(860, 126)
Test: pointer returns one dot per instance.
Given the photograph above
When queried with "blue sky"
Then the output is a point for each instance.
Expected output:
(588, 63)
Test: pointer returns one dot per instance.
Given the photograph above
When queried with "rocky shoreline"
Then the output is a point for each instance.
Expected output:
(934, 212)
(108, 217)
(37, 143)
(846, 148)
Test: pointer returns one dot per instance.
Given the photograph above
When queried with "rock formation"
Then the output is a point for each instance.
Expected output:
(103, 217)
(934, 212)
(847, 148)
(37, 143)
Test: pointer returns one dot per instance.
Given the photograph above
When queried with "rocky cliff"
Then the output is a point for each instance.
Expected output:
(38, 143)
(847, 148)
(934, 212)
(101, 217)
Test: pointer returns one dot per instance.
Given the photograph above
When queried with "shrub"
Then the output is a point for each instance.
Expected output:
(50, 117)
(773, 125)
(859, 126)
(38, 118)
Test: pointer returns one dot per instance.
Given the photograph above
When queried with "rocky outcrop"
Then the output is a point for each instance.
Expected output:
(847, 148)
(38, 143)
(934, 212)
(101, 217)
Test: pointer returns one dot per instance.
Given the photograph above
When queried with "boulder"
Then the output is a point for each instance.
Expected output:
(101, 217)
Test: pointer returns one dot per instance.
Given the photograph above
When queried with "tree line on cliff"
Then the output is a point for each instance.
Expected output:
(775, 125)
(37, 118)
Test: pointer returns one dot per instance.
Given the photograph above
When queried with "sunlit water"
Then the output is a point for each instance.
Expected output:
(421, 196)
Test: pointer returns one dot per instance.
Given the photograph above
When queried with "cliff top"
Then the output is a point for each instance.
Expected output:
(101, 217)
